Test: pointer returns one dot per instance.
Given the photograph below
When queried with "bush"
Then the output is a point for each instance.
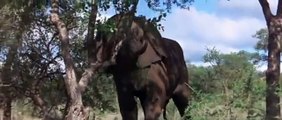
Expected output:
(237, 105)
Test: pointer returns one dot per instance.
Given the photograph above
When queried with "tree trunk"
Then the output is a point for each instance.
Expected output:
(6, 77)
(91, 44)
(7, 109)
(274, 25)
(273, 70)
(6, 92)
(39, 102)
(75, 110)
(90, 41)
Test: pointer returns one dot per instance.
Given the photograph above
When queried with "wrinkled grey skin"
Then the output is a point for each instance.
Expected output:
(144, 65)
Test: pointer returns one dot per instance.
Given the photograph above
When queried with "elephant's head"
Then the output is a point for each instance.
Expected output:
(126, 41)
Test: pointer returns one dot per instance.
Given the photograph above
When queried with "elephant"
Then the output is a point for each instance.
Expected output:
(144, 65)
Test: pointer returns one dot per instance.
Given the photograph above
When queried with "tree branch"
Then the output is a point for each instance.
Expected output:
(86, 76)
(70, 80)
(266, 10)
(75, 109)
(134, 6)
(94, 67)
(91, 42)
(279, 8)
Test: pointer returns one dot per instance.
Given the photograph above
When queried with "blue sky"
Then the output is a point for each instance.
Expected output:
(226, 25)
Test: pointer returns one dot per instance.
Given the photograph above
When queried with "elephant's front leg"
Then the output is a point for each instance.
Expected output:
(152, 108)
(127, 104)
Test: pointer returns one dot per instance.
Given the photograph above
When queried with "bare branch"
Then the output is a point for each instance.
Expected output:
(90, 44)
(134, 6)
(266, 10)
(279, 8)
(5, 85)
(75, 110)
(86, 76)
(70, 79)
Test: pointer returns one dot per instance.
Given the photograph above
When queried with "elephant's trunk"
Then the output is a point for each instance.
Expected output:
(102, 66)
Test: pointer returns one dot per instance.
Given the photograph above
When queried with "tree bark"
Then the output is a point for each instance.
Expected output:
(75, 110)
(274, 25)
(7, 108)
(6, 91)
(273, 71)
(90, 45)
(37, 99)
(6, 77)
(90, 41)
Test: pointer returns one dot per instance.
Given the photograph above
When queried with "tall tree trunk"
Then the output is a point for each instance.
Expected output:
(7, 74)
(7, 108)
(90, 41)
(274, 24)
(6, 80)
(75, 108)
(90, 45)
(37, 99)
(1, 98)
(273, 71)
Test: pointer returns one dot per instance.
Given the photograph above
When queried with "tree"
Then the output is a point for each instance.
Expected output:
(274, 24)
(261, 45)
(262, 36)
(6, 77)
(230, 83)
(227, 68)
(31, 81)
(75, 109)
(13, 43)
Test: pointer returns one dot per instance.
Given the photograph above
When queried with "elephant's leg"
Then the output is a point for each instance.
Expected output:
(156, 96)
(152, 109)
(181, 98)
(127, 105)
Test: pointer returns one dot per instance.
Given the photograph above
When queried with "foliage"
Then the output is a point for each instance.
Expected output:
(262, 36)
(230, 88)
(38, 67)
(261, 45)
(166, 5)
(107, 28)
(101, 95)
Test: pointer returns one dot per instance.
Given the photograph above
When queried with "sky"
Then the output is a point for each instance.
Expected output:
(227, 25)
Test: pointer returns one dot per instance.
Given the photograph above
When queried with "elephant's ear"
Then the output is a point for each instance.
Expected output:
(157, 44)
(148, 57)
(154, 37)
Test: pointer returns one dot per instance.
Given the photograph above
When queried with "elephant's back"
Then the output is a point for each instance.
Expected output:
(174, 52)
(175, 62)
